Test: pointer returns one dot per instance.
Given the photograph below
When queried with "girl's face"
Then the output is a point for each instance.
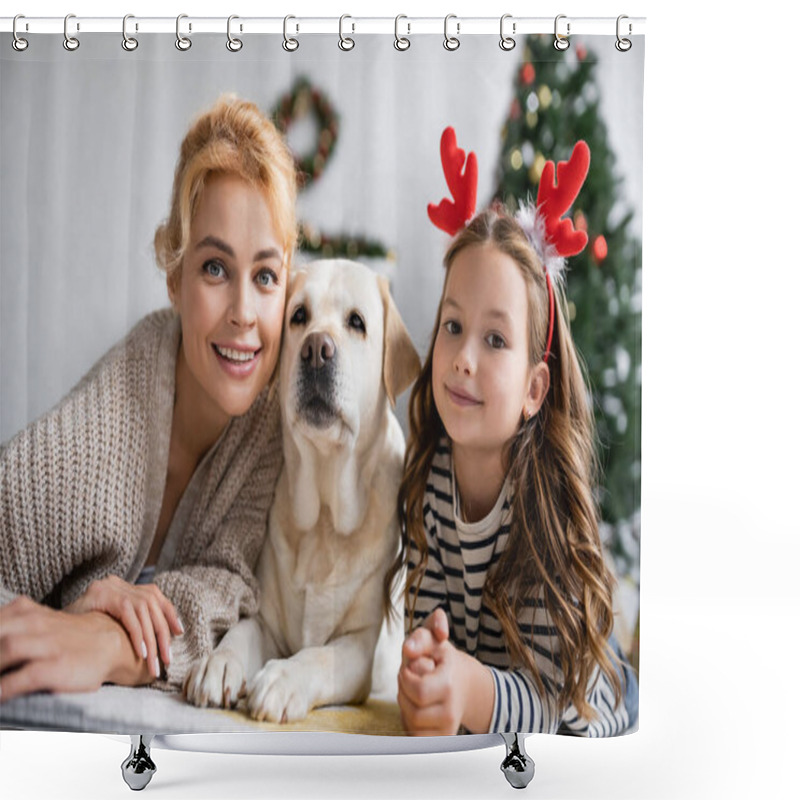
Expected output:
(230, 295)
(483, 381)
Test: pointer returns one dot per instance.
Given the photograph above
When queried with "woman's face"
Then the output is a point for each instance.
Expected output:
(230, 295)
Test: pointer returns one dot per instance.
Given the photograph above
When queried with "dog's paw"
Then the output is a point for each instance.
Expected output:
(217, 680)
(279, 693)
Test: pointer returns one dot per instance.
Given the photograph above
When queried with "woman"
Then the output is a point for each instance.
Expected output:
(163, 460)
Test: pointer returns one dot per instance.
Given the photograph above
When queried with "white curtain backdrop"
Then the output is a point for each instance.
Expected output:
(89, 141)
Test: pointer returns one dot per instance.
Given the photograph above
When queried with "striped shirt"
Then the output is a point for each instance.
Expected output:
(460, 555)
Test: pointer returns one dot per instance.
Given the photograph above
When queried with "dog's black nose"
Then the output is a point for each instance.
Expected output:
(317, 350)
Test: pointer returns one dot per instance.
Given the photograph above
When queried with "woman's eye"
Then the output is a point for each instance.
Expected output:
(452, 327)
(496, 341)
(356, 322)
(213, 269)
(299, 316)
(266, 277)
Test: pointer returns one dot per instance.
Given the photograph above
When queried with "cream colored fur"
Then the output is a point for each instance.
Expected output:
(333, 529)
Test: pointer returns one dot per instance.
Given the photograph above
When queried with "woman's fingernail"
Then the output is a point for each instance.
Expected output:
(180, 625)
(144, 651)
(169, 654)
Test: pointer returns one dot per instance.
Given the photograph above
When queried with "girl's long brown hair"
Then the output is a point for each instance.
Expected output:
(554, 549)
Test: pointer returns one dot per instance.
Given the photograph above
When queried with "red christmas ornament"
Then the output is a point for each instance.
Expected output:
(528, 74)
(515, 109)
(600, 249)
(580, 222)
(582, 52)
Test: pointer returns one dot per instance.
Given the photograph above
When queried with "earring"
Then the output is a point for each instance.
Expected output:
(527, 414)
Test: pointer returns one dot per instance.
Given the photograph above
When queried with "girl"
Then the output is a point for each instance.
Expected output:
(507, 593)
(161, 463)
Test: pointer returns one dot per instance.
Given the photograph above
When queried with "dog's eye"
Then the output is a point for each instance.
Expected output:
(356, 322)
(299, 317)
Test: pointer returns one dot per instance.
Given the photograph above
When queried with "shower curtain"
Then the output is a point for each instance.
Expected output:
(89, 139)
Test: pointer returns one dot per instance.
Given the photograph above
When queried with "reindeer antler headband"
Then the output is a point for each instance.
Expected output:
(552, 238)
(452, 215)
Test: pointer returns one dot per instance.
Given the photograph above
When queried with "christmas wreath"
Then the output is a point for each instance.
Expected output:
(304, 99)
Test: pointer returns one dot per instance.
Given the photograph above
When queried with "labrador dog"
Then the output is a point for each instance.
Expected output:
(333, 533)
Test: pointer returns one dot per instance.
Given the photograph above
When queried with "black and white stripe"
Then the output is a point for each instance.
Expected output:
(459, 558)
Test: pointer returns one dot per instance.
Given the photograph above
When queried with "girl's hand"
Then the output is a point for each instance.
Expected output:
(428, 698)
(436, 622)
(46, 650)
(431, 691)
(147, 616)
(418, 646)
(439, 686)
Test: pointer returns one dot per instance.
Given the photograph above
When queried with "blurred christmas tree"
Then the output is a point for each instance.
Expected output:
(556, 103)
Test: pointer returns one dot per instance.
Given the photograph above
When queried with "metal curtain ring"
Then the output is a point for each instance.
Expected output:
(401, 42)
(289, 44)
(18, 43)
(70, 42)
(560, 42)
(451, 42)
(182, 42)
(129, 43)
(507, 42)
(623, 45)
(345, 42)
(233, 44)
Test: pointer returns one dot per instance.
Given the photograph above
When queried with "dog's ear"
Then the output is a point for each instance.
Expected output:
(401, 363)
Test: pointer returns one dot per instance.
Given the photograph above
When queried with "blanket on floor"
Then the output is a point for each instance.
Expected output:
(123, 710)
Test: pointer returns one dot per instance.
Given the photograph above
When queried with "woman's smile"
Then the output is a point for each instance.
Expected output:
(238, 361)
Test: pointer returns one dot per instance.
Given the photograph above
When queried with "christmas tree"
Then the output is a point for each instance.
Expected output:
(556, 103)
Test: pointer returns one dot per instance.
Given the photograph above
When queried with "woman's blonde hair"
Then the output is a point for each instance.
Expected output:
(232, 137)
(554, 549)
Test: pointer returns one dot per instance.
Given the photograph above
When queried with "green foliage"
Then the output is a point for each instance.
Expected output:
(321, 245)
(556, 103)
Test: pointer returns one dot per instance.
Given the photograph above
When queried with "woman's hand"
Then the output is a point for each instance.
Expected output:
(46, 650)
(148, 617)
(440, 687)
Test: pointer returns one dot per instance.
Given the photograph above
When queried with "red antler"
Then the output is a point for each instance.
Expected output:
(554, 200)
(452, 215)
